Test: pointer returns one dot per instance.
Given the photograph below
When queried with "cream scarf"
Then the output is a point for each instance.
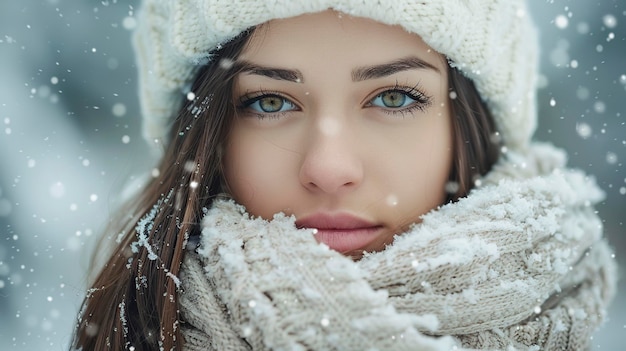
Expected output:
(520, 264)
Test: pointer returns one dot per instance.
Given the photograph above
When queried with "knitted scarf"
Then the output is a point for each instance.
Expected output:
(519, 264)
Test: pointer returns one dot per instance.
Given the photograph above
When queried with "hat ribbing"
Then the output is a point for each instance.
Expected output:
(493, 42)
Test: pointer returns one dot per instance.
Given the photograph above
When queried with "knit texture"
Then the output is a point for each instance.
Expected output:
(493, 42)
(519, 264)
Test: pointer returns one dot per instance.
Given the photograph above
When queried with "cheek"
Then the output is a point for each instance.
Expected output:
(422, 170)
(256, 173)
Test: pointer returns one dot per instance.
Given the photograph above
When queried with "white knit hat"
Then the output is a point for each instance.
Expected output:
(493, 42)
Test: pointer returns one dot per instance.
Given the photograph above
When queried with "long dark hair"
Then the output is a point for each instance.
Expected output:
(476, 143)
(133, 299)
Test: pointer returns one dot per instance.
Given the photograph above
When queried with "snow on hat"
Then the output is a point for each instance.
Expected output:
(493, 42)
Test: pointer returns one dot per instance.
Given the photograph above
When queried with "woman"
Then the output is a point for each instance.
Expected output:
(348, 175)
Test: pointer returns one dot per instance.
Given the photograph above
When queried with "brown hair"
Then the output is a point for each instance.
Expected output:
(476, 143)
(133, 300)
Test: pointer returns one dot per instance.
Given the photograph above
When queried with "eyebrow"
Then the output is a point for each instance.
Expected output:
(358, 74)
(292, 75)
(386, 69)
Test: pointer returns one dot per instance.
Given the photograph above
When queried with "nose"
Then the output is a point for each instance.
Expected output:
(331, 161)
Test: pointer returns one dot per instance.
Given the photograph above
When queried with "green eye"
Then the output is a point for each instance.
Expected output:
(270, 104)
(393, 99)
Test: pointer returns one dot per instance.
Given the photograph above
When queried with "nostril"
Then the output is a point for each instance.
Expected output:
(330, 187)
(331, 164)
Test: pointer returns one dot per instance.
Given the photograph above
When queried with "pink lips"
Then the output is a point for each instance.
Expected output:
(342, 232)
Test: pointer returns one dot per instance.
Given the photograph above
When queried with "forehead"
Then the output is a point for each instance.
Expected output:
(333, 38)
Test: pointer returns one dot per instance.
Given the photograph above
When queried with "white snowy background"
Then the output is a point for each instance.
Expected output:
(70, 140)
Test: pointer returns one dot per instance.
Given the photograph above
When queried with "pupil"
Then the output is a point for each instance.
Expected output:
(393, 99)
(271, 104)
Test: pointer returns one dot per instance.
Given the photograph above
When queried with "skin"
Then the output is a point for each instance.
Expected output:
(336, 145)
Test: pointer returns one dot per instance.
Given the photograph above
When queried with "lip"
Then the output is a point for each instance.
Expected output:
(342, 232)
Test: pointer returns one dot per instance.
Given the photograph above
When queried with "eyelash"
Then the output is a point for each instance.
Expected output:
(250, 98)
(422, 101)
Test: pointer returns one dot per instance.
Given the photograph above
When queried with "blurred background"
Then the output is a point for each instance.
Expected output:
(70, 141)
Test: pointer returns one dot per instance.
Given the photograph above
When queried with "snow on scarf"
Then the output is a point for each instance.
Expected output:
(519, 264)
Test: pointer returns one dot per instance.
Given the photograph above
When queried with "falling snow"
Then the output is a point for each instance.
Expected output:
(561, 21)
(329, 126)
(119, 110)
(609, 21)
(584, 130)
(70, 138)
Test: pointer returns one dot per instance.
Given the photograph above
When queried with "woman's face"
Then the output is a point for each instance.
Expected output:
(342, 122)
